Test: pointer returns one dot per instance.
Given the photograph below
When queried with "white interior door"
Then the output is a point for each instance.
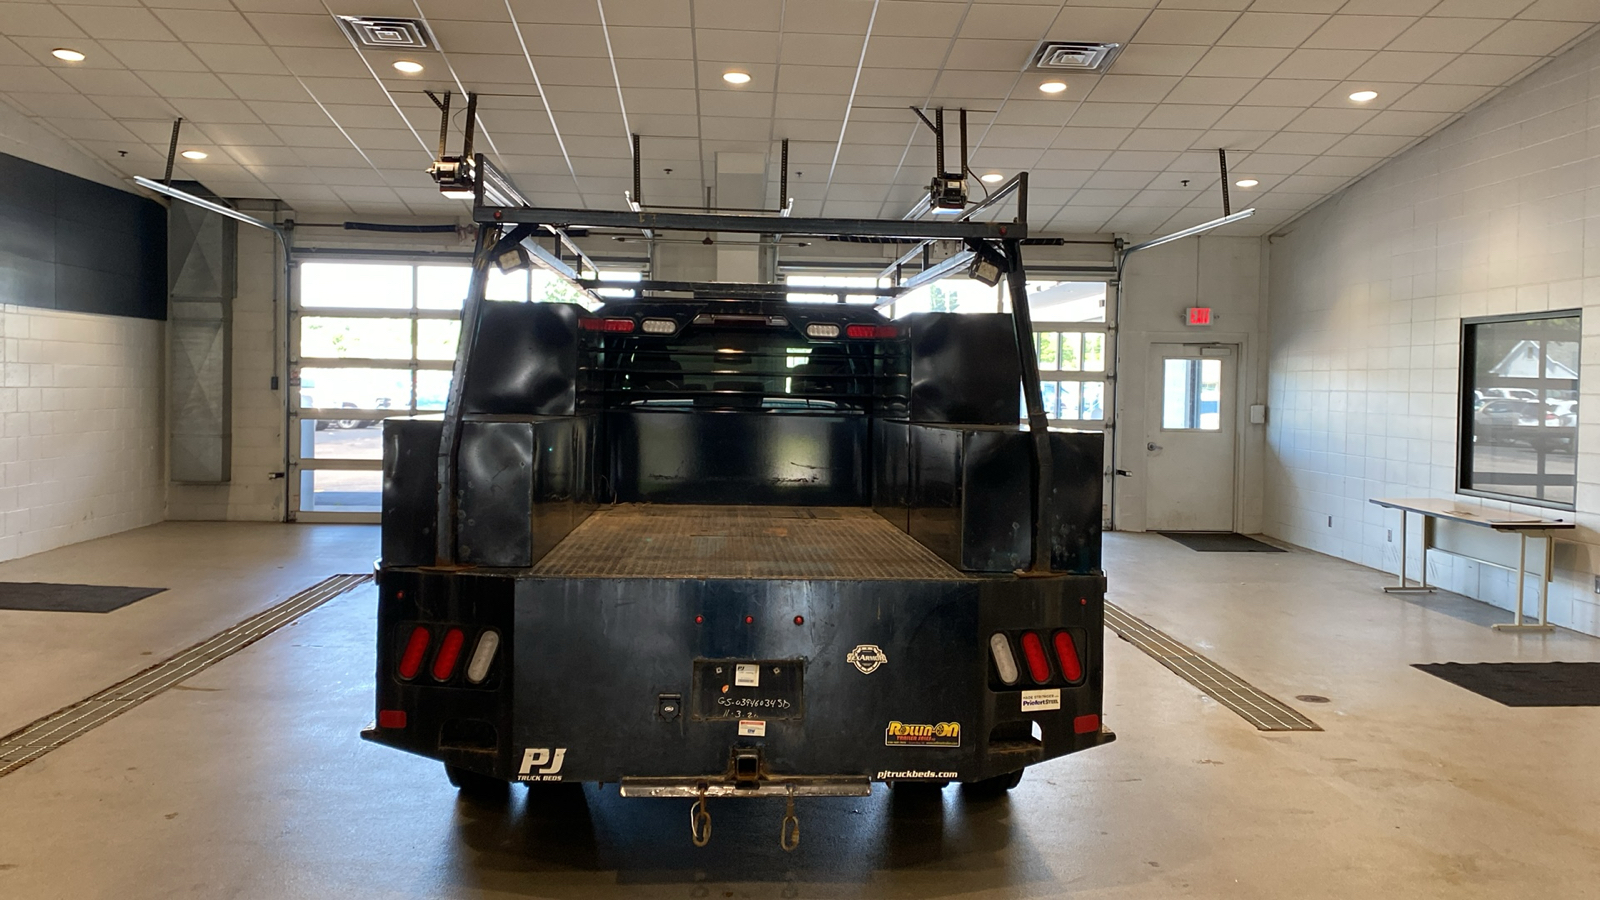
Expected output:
(1189, 442)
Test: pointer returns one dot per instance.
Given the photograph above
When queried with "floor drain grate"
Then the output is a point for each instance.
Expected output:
(1262, 710)
(33, 741)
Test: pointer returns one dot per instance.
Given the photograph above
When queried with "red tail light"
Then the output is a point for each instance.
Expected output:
(391, 718)
(1033, 652)
(612, 326)
(1067, 655)
(416, 647)
(871, 331)
(444, 665)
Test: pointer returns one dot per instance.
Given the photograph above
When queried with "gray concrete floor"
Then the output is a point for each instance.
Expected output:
(249, 781)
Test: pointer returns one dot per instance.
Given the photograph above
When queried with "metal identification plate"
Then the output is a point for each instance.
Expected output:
(748, 689)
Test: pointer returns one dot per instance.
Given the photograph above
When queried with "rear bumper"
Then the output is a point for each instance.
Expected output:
(596, 679)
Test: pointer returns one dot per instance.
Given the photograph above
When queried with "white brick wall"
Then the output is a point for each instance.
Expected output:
(1498, 213)
(82, 446)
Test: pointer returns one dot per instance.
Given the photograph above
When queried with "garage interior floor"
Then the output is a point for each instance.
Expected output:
(248, 780)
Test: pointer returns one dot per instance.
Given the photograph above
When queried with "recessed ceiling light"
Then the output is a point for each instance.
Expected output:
(194, 154)
(1246, 182)
(736, 77)
(1053, 87)
(992, 177)
(1364, 96)
(410, 67)
(68, 55)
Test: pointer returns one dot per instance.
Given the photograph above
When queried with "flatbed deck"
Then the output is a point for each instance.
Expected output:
(803, 542)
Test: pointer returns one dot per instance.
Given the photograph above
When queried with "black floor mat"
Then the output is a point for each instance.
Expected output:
(84, 598)
(1525, 684)
(1219, 542)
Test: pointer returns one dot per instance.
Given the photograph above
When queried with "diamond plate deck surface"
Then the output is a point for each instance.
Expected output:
(643, 541)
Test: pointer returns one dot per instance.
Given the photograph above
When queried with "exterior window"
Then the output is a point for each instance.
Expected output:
(1519, 408)
(1191, 395)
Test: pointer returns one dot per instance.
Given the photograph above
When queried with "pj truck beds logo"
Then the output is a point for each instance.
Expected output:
(540, 764)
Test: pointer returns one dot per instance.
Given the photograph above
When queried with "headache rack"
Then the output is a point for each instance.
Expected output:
(510, 223)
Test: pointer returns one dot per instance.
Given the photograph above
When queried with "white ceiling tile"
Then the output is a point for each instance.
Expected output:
(58, 106)
(1405, 122)
(1370, 145)
(654, 13)
(1240, 62)
(1008, 20)
(1396, 65)
(210, 26)
(1091, 138)
(1132, 88)
(215, 111)
(724, 45)
(1271, 30)
(1287, 92)
(1477, 69)
(1440, 97)
(1110, 115)
(1211, 90)
(1083, 23)
(1157, 59)
(990, 55)
(1016, 136)
(1073, 158)
(1273, 163)
(1122, 181)
(1561, 11)
(1297, 6)
(1388, 7)
(1340, 165)
(176, 85)
(1331, 121)
(150, 56)
(828, 16)
(36, 19)
(122, 22)
(1359, 32)
(295, 30)
(1530, 38)
(311, 137)
(1481, 9)
(1183, 26)
(1140, 160)
(1166, 139)
(1057, 178)
(912, 18)
(1298, 143)
(1186, 116)
(1449, 35)
(1329, 65)
(107, 81)
(1258, 118)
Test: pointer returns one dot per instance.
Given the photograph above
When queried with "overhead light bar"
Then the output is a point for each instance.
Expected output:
(166, 190)
(1202, 228)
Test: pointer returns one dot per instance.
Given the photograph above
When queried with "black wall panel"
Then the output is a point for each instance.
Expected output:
(71, 244)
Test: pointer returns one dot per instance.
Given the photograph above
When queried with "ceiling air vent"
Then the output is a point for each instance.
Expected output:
(384, 33)
(1074, 56)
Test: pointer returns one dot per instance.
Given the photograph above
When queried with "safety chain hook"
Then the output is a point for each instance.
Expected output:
(700, 820)
(789, 832)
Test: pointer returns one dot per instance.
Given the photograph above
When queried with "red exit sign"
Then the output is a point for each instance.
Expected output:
(1197, 315)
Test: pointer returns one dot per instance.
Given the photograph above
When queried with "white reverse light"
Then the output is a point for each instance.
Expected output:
(1004, 661)
(483, 657)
